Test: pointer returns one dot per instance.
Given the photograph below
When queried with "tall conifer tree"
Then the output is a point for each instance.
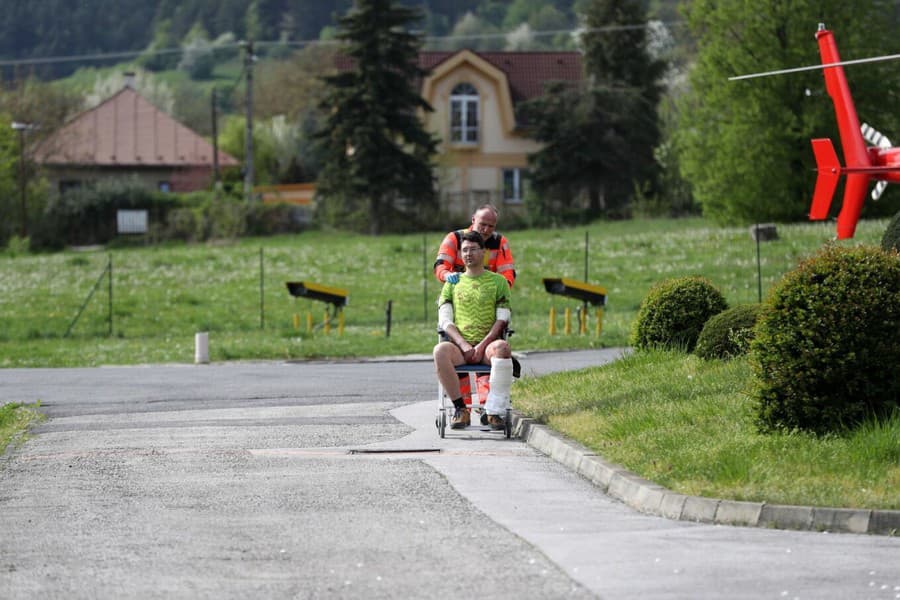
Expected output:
(377, 174)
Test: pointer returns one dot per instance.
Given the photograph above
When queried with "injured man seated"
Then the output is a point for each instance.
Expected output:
(474, 314)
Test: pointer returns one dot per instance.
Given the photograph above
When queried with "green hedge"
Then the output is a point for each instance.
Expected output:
(729, 333)
(827, 346)
(891, 239)
(674, 311)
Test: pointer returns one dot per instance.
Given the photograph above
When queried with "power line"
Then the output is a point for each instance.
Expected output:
(84, 57)
(102, 56)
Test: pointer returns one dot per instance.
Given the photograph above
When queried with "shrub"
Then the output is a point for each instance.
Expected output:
(891, 239)
(87, 215)
(17, 246)
(270, 219)
(827, 347)
(674, 311)
(729, 333)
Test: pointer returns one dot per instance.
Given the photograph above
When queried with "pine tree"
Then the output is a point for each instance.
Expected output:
(599, 138)
(377, 172)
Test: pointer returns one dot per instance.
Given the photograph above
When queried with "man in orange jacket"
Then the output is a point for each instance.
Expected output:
(497, 258)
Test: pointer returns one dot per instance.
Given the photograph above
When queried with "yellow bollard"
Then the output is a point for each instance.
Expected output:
(582, 322)
(296, 321)
(326, 324)
(309, 322)
(567, 319)
(552, 321)
(341, 323)
(599, 326)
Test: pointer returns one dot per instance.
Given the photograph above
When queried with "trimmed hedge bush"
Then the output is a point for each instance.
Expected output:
(891, 239)
(729, 333)
(674, 311)
(827, 348)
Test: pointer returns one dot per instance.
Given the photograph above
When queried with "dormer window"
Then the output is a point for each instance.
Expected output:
(464, 114)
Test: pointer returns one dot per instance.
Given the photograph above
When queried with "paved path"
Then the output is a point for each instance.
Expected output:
(315, 480)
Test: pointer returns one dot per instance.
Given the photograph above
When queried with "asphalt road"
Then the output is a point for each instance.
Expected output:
(328, 480)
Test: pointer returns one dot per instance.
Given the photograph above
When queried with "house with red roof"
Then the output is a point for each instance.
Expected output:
(476, 98)
(128, 135)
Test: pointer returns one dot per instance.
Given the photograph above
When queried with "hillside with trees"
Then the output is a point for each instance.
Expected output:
(656, 128)
(44, 29)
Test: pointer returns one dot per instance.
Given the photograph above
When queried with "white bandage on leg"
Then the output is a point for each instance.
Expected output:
(501, 381)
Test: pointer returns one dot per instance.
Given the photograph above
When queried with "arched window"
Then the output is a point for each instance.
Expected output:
(464, 114)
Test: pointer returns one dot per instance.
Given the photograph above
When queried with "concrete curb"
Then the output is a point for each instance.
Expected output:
(651, 498)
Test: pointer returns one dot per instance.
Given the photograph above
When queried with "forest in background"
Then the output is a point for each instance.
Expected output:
(190, 62)
(51, 29)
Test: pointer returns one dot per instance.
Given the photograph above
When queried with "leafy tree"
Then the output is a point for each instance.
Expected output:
(45, 106)
(599, 138)
(492, 11)
(294, 87)
(471, 31)
(293, 90)
(273, 145)
(520, 11)
(9, 171)
(744, 145)
(197, 56)
(377, 172)
(622, 70)
(157, 56)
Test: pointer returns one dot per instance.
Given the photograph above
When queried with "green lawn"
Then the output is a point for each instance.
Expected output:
(162, 295)
(688, 425)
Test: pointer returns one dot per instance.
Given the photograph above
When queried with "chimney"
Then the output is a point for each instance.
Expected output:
(129, 79)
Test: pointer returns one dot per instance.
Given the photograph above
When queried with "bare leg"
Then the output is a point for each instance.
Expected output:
(446, 357)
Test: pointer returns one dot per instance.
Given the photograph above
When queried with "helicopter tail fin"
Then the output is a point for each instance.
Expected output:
(826, 181)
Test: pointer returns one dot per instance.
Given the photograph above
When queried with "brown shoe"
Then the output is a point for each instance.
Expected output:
(496, 422)
(461, 419)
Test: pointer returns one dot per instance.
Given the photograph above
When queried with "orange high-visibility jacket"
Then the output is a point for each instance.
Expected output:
(498, 257)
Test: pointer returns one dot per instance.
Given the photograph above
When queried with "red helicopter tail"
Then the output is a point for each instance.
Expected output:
(852, 143)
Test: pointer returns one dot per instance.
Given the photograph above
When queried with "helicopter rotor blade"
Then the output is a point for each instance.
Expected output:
(816, 67)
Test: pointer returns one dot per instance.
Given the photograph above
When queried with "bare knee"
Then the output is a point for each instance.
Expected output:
(498, 349)
(445, 352)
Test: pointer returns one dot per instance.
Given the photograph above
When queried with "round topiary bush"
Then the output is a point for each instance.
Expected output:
(674, 311)
(728, 334)
(891, 239)
(827, 348)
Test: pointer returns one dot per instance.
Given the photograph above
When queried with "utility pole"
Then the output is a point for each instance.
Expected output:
(22, 128)
(249, 58)
(215, 141)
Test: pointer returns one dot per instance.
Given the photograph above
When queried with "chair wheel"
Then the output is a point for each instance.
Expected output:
(484, 418)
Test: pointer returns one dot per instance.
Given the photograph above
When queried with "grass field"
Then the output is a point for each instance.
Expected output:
(162, 295)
